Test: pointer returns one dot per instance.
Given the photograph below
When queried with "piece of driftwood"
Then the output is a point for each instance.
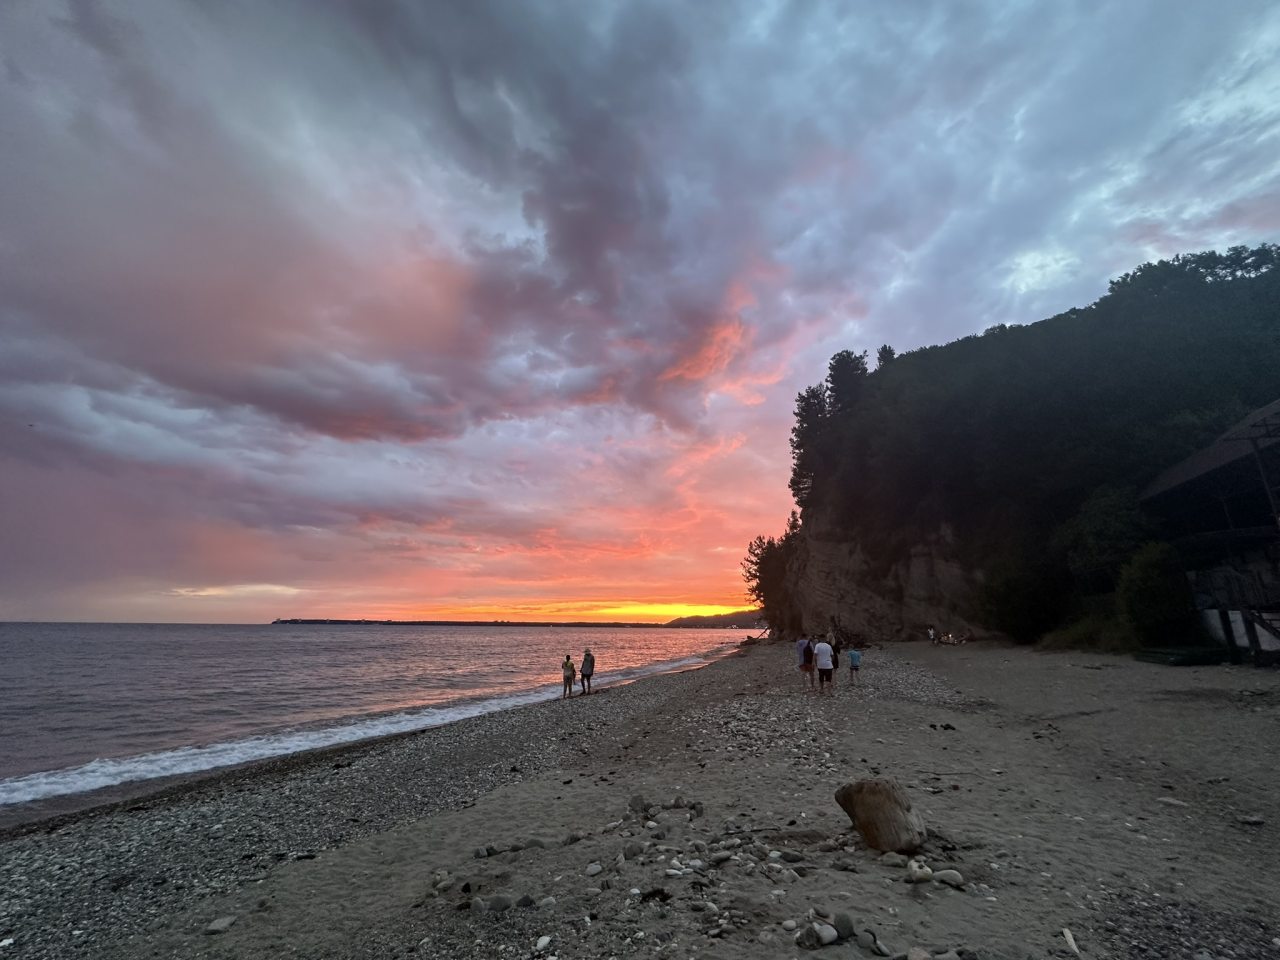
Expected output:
(881, 811)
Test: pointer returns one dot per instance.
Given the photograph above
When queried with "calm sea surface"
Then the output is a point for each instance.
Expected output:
(84, 706)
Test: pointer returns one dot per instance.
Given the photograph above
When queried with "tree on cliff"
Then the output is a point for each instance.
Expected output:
(765, 572)
(846, 377)
(807, 435)
(1006, 439)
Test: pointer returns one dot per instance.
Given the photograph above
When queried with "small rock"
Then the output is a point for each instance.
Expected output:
(844, 925)
(720, 856)
(788, 924)
(917, 872)
(593, 869)
(546, 902)
(951, 878)
(543, 943)
(526, 901)
(632, 849)
(499, 903)
(480, 853)
(828, 934)
(792, 856)
(1171, 801)
(221, 925)
(592, 891)
(917, 953)
(478, 905)
(1252, 820)
(894, 860)
(808, 938)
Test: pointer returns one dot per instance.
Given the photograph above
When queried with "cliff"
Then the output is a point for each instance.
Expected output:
(833, 577)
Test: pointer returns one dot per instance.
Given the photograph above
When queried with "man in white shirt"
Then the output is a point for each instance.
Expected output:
(824, 660)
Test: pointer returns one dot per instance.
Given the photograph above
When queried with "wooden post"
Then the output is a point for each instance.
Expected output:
(1229, 634)
(1251, 631)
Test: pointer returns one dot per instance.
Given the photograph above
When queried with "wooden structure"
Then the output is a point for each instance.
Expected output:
(1222, 506)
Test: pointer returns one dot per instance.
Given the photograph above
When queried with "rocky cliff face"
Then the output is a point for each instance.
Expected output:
(832, 577)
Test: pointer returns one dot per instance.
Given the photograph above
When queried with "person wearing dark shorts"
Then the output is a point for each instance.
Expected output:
(588, 668)
(823, 658)
(855, 662)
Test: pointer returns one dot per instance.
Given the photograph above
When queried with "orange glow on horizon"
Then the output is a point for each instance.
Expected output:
(580, 610)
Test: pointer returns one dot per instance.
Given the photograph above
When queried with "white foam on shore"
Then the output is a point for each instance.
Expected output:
(187, 760)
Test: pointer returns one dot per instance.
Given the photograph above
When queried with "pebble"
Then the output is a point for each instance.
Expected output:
(788, 925)
(1171, 801)
(1253, 820)
(917, 953)
(499, 903)
(547, 902)
(917, 872)
(843, 923)
(952, 878)
(894, 860)
(828, 934)
(593, 869)
(543, 943)
(221, 925)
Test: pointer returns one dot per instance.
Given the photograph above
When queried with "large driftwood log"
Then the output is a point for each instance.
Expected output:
(881, 812)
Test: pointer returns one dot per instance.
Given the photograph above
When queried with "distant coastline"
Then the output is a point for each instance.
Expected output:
(745, 624)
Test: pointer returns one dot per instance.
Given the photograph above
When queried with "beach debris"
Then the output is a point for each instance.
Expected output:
(952, 878)
(221, 925)
(881, 811)
(1071, 941)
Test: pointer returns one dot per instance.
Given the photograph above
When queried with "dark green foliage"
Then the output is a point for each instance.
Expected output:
(1154, 599)
(846, 378)
(1100, 538)
(884, 356)
(807, 436)
(765, 571)
(1024, 599)
(1022, 439)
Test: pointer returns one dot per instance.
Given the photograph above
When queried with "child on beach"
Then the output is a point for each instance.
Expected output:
(855, 662)
(588, 668)
(570, 671)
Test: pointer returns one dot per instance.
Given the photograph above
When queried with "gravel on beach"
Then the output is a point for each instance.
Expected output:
(693, 815)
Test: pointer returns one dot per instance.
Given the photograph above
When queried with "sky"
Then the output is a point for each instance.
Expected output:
(479, 310)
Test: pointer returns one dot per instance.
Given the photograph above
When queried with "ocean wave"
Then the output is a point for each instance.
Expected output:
(101, 773)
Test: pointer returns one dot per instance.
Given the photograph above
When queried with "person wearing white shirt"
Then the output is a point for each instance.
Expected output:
(824, 660)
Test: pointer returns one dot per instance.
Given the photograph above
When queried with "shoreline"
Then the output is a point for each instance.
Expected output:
(51, 813)
(1069, 790)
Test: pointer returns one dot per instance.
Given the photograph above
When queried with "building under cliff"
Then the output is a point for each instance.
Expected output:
(1222, 507)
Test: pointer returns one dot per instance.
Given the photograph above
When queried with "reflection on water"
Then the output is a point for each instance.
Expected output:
(74, 693)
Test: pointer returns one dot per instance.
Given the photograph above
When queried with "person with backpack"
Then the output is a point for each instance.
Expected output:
(588, 668)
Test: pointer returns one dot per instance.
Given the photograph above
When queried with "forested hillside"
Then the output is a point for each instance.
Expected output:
(1030, 443)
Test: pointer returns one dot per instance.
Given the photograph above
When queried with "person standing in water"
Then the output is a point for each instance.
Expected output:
(570, 672)
(588, 668)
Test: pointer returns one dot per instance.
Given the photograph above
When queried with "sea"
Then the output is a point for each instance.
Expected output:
(86, 706)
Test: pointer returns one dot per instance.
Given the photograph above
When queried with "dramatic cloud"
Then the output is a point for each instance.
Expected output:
(397, 308)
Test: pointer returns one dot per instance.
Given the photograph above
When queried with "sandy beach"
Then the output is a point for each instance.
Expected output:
(693, 815)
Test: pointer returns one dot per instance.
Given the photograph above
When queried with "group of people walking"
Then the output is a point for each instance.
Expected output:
(823, 658)
(571, 672)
